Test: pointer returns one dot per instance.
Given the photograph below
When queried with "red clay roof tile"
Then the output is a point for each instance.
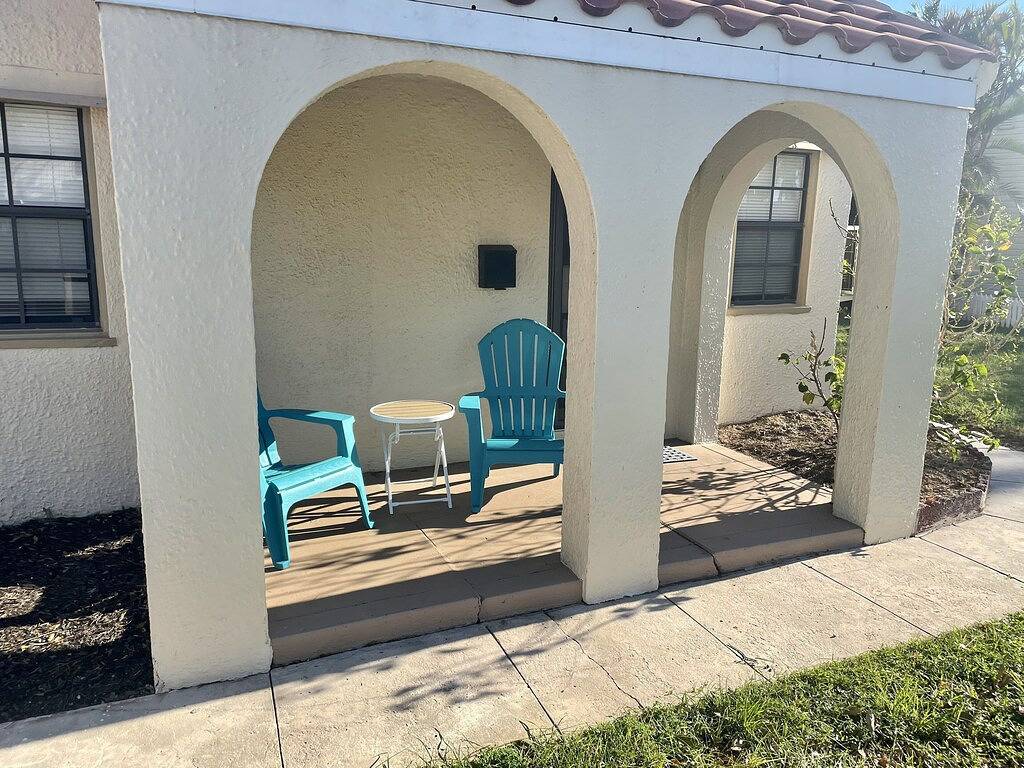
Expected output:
(855, 26)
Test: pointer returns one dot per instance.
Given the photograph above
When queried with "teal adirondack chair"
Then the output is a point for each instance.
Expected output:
(522, 363)
(283, 485)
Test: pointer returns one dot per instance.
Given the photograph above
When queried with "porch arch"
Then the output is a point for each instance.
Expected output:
(559, 156)
(702, 273)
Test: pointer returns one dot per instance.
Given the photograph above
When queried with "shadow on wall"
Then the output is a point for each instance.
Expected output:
(364, 244)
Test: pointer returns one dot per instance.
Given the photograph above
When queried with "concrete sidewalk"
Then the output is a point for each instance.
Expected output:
(489, 683)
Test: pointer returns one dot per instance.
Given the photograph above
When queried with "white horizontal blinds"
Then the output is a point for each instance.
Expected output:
(748, 266)
(47, 182)
(56, 295)
(7, 244)
(10, 307)
(769, 233)
(47, 277)
(52, 244)
(789, 171)
(756, 205)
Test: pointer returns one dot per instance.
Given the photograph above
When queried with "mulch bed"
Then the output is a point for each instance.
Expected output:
(74, 627)
(804, 443)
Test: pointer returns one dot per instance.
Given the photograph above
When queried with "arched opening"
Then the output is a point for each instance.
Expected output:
(758, 269)
(367, 289)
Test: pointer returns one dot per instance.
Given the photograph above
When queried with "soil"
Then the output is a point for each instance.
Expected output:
(74, 628)
(804, 443)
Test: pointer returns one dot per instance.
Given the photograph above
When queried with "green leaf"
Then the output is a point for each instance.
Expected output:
(809, 398)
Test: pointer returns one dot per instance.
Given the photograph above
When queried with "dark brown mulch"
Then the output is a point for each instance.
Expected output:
(804, 443)
(74, 628)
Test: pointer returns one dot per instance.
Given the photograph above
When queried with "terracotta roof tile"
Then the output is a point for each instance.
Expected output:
(855, 26)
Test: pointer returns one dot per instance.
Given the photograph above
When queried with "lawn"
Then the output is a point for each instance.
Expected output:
(1006, 372)
(957, 700)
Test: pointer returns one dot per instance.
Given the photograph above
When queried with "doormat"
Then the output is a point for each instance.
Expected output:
(670, 455)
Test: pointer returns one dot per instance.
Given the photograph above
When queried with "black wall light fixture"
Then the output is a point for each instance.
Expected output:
(497, 266)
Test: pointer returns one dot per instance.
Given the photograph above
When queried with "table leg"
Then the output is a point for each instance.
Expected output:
(386, 439)
(437, 453)
(444, 463)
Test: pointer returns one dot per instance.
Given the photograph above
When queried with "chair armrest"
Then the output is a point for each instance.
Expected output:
(469, 405)
(342, 424)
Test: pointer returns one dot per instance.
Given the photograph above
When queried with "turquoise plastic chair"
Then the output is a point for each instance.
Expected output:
(522, 365)
(284, 485)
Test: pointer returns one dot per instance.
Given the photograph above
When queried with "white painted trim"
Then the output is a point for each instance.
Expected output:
(443, 24)
(77, 89)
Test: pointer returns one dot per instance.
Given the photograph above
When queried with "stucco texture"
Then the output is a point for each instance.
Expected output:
(754, 382)
(364, 253)
(59, 35)
(185, 217)
(66, 423)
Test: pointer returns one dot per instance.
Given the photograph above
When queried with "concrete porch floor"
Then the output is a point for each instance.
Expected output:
(428, 568)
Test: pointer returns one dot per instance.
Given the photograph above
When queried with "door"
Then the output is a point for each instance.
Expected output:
(558, 278)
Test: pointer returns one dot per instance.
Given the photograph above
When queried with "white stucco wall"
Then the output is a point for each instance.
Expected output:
(185, 217)
(364, 254)
(66, 424)
(754, 382)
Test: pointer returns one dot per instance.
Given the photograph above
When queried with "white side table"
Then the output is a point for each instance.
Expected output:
(413, 417)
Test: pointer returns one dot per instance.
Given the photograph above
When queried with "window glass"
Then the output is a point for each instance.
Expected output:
(41, 130)
(47, 273)
(756, 205)
(6, 244)
(769, 233)
(764, 177)
(47, 182)
(789, 170)
(787, 204)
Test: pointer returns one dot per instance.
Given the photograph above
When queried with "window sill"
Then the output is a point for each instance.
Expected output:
(56, 339)
(768, 309)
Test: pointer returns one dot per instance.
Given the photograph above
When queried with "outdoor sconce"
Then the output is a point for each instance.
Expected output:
(497, 266)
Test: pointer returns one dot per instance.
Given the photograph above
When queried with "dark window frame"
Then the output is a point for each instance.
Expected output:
(768, 226)
(14, 212)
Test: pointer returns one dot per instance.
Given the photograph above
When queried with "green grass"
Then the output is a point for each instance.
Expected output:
(1006, 372)
(957, 700)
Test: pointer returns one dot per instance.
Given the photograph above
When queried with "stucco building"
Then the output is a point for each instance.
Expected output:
(292, 194)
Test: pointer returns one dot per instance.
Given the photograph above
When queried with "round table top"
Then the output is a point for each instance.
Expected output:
(412, 411)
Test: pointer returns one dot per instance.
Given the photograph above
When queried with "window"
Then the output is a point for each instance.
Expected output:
(47, 273)
(769, 233)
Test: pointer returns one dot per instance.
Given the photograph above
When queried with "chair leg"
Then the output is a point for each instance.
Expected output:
(555, 469)
(363, 503)
(275, 530)
(477, 475)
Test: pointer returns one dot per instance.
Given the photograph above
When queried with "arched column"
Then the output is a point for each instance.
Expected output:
(902, 263)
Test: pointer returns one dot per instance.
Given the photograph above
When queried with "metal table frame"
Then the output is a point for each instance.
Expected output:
(403, 426)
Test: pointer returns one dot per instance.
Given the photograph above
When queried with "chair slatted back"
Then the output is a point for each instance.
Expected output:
(268, 443)
(522, 362)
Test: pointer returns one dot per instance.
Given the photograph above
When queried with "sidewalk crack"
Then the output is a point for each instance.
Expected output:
(277, 719)
(749, 661)
(875, 603)
(598, 664)
(525, 681)
(977, 562)
(680, 532)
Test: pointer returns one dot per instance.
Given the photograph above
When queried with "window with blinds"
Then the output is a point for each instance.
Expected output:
(769, 233)
(47, 274)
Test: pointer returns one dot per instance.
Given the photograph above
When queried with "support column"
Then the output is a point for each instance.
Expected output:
(184, 194)
(901, 275)
(615, 413)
